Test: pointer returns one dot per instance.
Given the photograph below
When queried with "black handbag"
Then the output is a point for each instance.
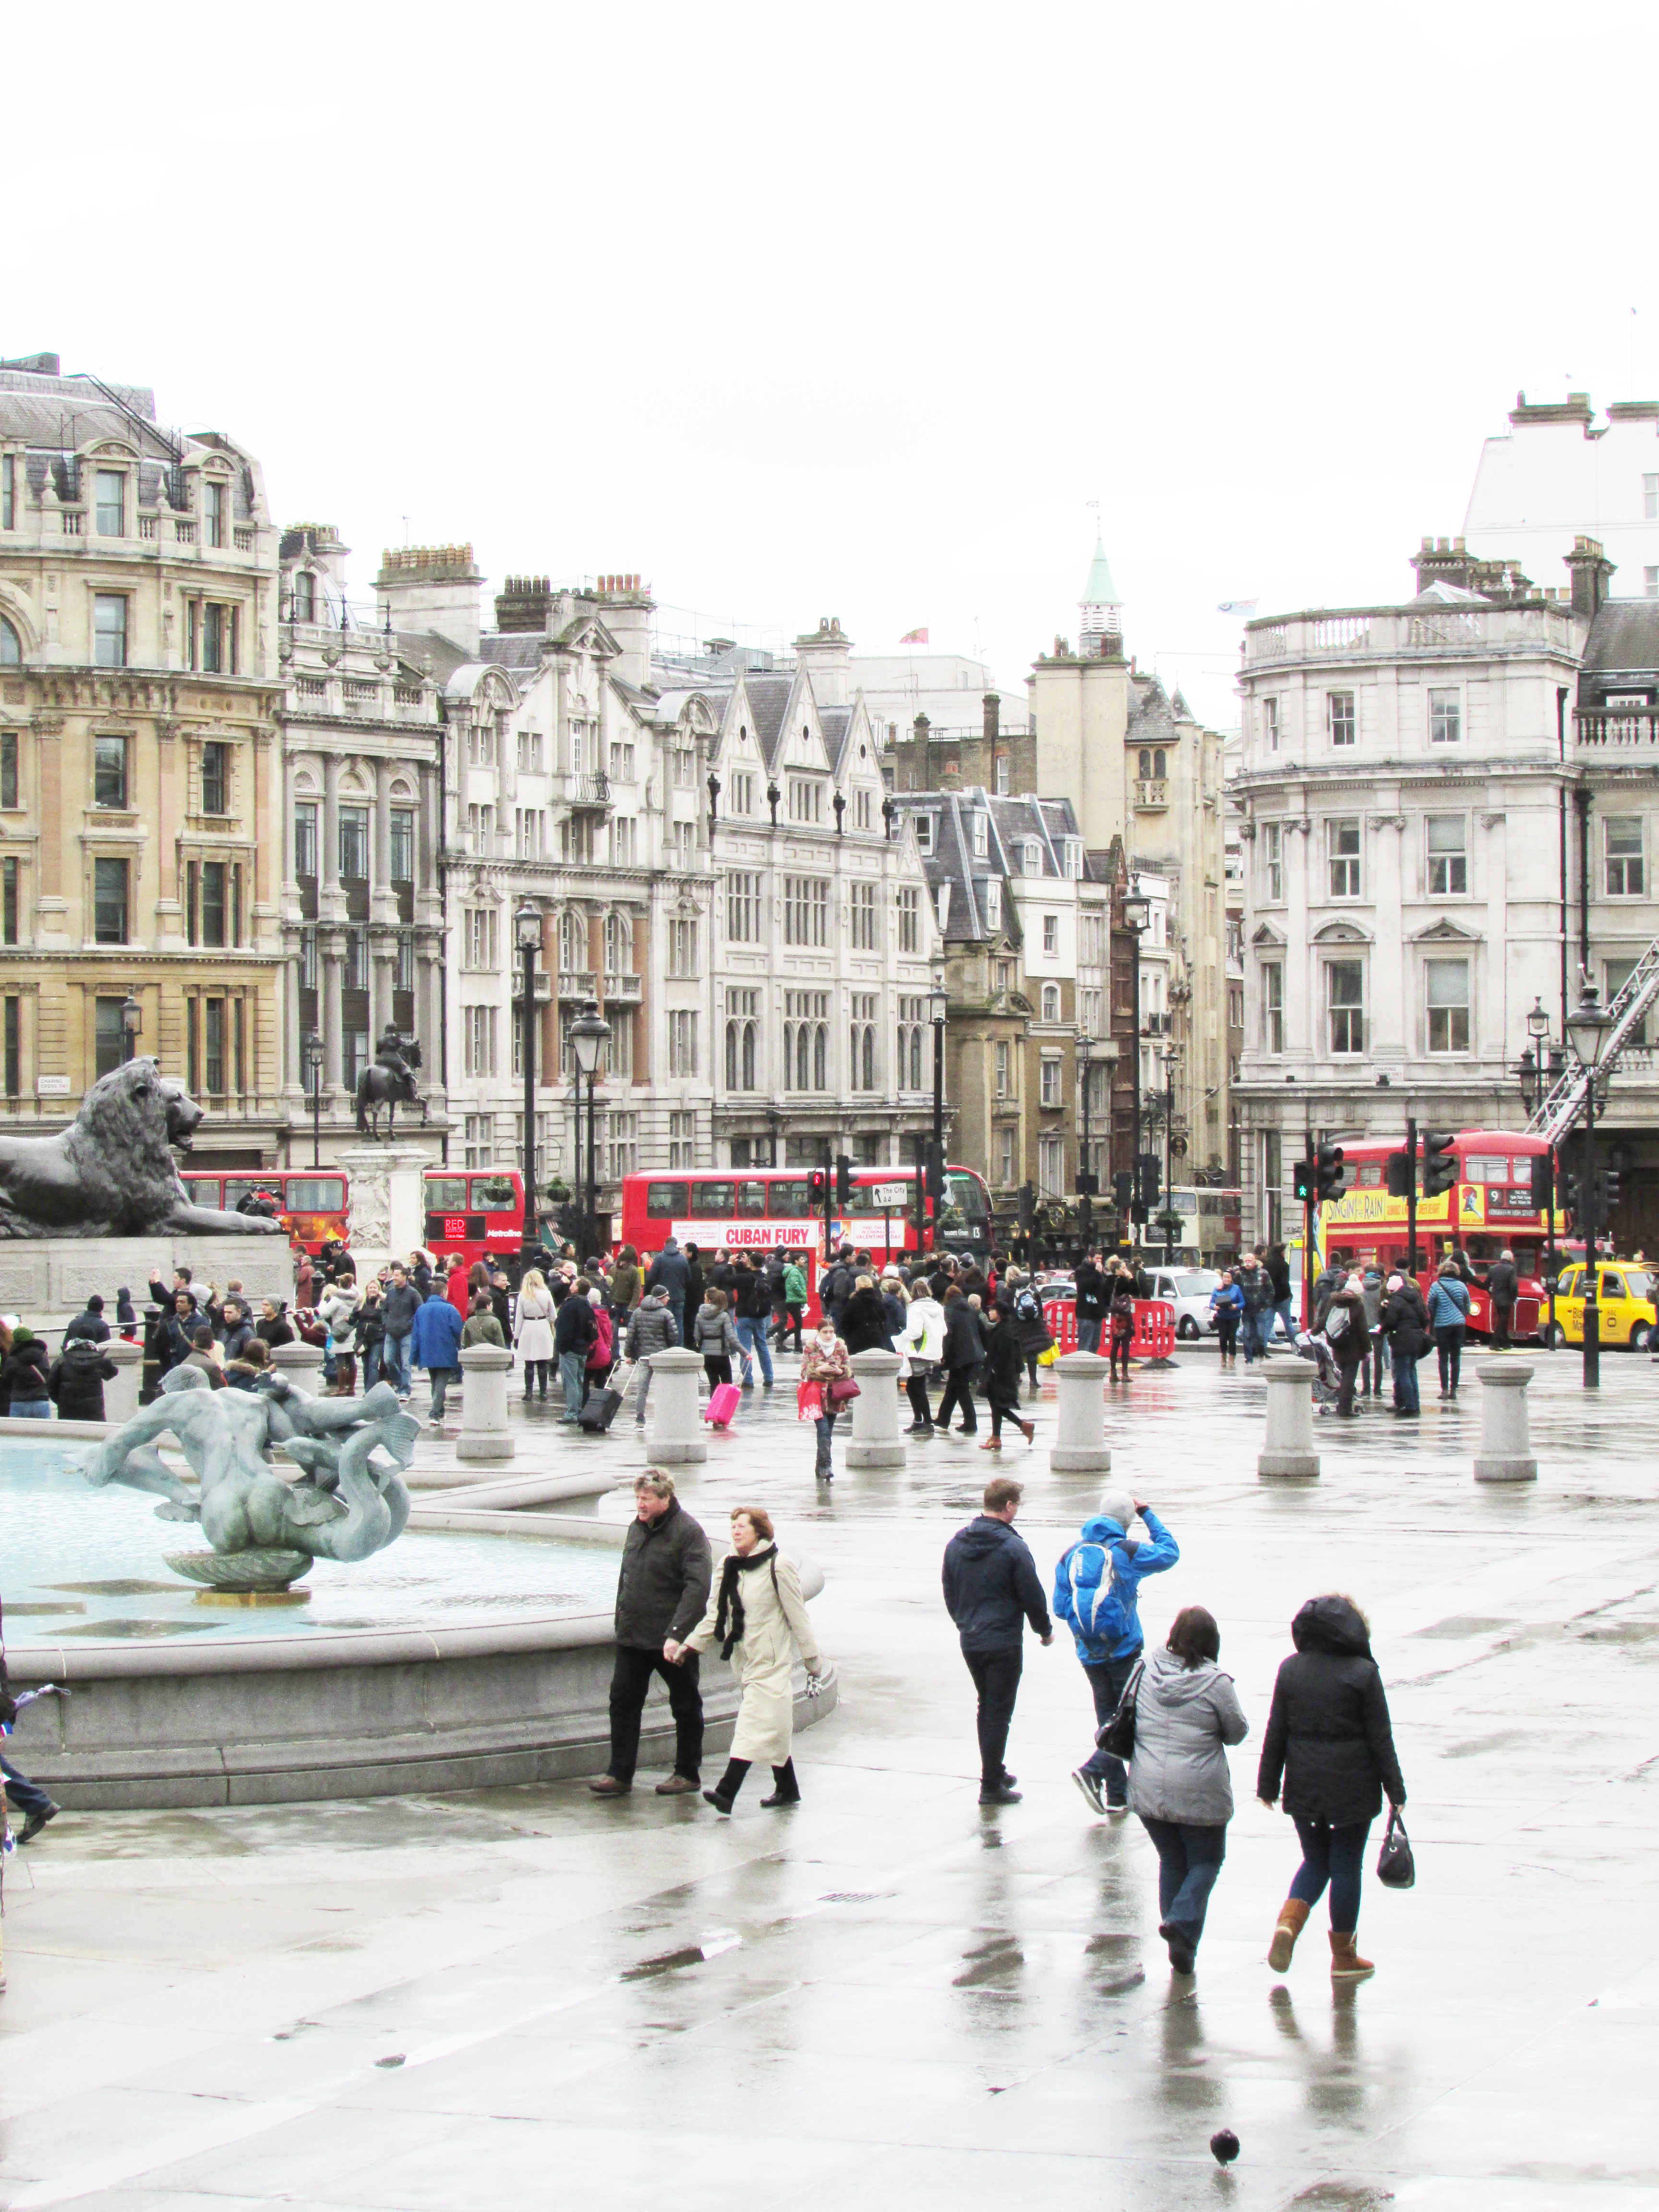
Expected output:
(1395, 1867)
(1117, 1736)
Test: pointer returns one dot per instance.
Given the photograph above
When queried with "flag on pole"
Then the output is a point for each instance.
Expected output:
(914, 637)
(1246, 607)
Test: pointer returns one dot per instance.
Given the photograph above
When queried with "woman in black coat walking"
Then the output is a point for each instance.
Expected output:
(1329, 1742)
(1003, 1358)
(964, 1352)
(863, 1321)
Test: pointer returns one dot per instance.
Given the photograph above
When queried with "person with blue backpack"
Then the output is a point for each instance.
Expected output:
(1096, 1592)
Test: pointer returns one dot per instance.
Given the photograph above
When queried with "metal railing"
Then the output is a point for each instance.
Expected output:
(591, 791)
(1564, 1101)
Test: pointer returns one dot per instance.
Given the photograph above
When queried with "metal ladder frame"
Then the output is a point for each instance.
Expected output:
(1564, 1101)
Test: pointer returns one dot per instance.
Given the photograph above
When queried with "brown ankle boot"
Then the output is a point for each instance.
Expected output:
(1346, 1964)
(1292, 1919)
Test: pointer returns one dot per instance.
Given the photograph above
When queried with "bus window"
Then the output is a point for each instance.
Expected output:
(713, 1201)
(1183, 1201)
(204, 1190)
(493, 1193)
(1368, 1174)
(663, 1201)
(751, 1199)
(789, 1200)
(1486, 1167)
(966, 1194)
(1520, 1170)
(446, 1194)
(314, 1195)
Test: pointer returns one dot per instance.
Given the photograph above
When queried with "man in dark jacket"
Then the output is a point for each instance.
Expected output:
(751, 1314)
(1405, 1326)
(1093, 1296)
(238, 1329)
(836, 1287)
(1257, 1290)
(1278, 1279)
(1329, 1742)
(76, 1380)
(991, 1591)
(91, 1325)
(402, 1301)
(669, 1272)
(661, 1592)
(696, 1290)
(1349, 1338)
(574, 1334)
(1502, 1284)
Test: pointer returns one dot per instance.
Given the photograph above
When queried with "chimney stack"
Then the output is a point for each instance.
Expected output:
(1591, 571)
(993, 716)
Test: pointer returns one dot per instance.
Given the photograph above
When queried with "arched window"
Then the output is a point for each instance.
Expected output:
(619, 945)
(1146, 763)
(749, 1055)
(821, 1057)
(915, 1057)
(1157, 765)
(869, 1056)
(803, 1057)
(573, 944)
(1051, 1002)
(11, 648)
(732, 1055)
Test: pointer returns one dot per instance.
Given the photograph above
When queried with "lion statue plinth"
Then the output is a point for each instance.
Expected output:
(112, 1171)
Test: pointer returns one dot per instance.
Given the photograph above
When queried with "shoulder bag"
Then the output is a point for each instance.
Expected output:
(1117, 1736)
(1395, 1867)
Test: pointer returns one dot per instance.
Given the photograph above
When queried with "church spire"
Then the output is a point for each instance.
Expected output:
(1101, 636)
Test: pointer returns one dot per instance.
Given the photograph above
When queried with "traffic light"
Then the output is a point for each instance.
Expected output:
(1543, 1194)
(1439, 1162)
(1302, 1183)
(1566, 1189)
(935, 1171)
(1123, 1188)
(1329, 1181)
(1149, 1186)
(1400, 1165)
(843, 1183)
(1609, 1193)
(818, 1188)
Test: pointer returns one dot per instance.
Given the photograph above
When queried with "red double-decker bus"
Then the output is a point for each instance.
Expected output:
(475, 1211)
(769, 1209)
(1489, 1210)
(315, 1201)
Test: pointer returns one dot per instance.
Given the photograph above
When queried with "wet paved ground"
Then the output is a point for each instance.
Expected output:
(889, 1998)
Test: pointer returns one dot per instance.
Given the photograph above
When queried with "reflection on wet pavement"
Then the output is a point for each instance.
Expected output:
(893, 1998)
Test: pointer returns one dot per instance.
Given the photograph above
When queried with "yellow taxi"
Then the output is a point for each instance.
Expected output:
(1624, 1297)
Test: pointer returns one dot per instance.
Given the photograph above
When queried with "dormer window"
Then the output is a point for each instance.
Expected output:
(213, 512)
(944, 904)
(924, 832)
(1031, 861)
(981, 833)
(304, 596)
(994, 904)
(1074, 859)
(111, 500)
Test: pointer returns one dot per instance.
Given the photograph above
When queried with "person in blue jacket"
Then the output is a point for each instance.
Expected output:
(1449, 1317)
(1227, 1305)
(435, 1343)
(1097, 1588)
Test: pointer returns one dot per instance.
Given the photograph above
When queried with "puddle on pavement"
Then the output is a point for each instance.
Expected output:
(1464, 1624)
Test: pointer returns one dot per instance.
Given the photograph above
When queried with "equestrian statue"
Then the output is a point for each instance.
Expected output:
(390, 1080)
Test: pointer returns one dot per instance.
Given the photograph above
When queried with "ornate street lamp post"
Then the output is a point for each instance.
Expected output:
(590, 1033)
(527, 935)
(1087, 1182)
(312, 1049)
(1588, 1025)
(132, 1021)
(938, 1005)
(1137, 913)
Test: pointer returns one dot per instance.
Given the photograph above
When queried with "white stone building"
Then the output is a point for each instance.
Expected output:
(1433, 842)
(1558, 474)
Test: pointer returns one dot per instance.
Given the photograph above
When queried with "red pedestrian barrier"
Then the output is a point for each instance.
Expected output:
(1155, 1329)
(1060, 1318)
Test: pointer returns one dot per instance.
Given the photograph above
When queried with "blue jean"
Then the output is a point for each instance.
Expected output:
(825, 1426)
(1108, 1681)
(442, 1379)
(1335, 1856)
(752, 1335)
(371, 1367)
(394, 1361)
(27, 1797)
(31, 1409)
(1405, 1399)
(1250, 1330)
(1282, 1307)
(1088, 1332)
(1188, 1861)
(572, 1378)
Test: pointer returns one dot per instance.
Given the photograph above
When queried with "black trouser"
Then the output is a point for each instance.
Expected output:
(1030, 1369)
(792, 1318)
(1503, 1319)
(1348, 1370)
(1449, 1343)
(996, 1677)
(958, 1391)
(1118, 1349)
(1001, 1412)
(1226, 1330)
(717, 1369)
(916, 1390)
(631, 1678)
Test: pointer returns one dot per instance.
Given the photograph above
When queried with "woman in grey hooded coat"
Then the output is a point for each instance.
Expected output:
(1186, 1711)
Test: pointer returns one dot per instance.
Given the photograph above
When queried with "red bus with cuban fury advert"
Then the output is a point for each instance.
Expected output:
(770, 1209)
(1497, 1203)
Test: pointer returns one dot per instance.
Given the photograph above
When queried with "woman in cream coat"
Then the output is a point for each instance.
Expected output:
(755, 1609)
(532, 1329)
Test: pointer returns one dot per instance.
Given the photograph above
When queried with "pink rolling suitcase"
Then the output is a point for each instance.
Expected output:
(723, 1401)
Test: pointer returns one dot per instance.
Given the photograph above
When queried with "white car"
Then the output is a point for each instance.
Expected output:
(1188, 1290)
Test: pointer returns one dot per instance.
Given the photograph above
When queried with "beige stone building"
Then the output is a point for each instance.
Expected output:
(140, 797)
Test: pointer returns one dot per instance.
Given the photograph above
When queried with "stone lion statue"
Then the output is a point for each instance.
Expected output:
(111, 1172)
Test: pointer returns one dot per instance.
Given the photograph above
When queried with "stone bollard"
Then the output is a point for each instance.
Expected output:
(677, 1434)
(302, 1364)
(1288, 1446)
(483, 1403)
(121, 1396)
(1080, 1447)
(1505, 1453)
(876, 1439)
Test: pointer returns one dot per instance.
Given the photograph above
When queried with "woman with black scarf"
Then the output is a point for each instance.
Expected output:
(755, 1610)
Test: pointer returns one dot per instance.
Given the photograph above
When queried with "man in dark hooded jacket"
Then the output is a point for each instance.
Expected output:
(89, 1323)
(991, 1591)
(75, 1379)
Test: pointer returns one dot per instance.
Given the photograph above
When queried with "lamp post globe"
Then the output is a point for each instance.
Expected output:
(1538, 1022)
(132, 1021)
(312, 1049)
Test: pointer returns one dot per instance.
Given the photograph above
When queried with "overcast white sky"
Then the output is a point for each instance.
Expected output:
(803, 311)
